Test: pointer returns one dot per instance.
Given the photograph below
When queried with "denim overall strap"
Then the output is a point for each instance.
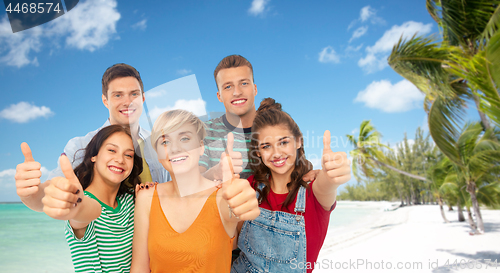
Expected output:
(274, 242)
(300, 204)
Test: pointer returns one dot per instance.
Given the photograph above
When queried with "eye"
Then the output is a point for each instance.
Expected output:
(135, 94)
(244, 83)
(267, 146)
(117, 95)
(284, 142)
(227, 87)
(129, 156)
(185, 139)
(165, 143)
(111, 150)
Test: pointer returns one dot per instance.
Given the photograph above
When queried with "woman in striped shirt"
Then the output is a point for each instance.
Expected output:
(96, 202)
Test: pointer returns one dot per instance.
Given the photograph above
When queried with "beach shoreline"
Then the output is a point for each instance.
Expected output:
(412, 239)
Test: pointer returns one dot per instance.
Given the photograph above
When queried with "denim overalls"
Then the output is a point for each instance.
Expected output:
(275, 241)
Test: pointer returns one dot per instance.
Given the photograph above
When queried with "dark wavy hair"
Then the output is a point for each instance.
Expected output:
(85, 171)
(270, 114)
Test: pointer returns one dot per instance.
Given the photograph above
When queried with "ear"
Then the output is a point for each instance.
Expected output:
(105, 101)
(202, 150)
(258, 154)
(219, 97)
(255, 89)
(298, 144)
(143, 97)
(92, 159)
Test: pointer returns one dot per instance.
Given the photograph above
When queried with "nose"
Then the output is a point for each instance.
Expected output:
(276, 152)
(175, 147)
(120, 158)
(237, 91)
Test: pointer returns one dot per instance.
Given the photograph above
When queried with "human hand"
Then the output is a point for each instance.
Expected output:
(335, 165)
(63, 194)
(241, 199)
(230, 162)
(28, 173)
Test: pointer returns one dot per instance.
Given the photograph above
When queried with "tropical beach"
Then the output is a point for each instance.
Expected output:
(411, 239)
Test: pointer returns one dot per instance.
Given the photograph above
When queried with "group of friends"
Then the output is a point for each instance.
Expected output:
(240, 181)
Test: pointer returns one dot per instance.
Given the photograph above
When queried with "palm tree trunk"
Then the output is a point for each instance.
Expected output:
(471, 188)
(470, 220)
(461, 217)
(440, 201)
(484, 119)
(399, 171)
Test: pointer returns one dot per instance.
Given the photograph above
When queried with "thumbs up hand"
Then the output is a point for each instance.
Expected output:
(241, 200)
(231, 163)
(335, 165)
(28, 173)
(63, 194)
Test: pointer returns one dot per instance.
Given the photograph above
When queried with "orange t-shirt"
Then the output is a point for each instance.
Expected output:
(203, 247)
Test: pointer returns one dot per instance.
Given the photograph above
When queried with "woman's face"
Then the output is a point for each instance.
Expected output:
(179, 151)
(115, 159)
(277, 147)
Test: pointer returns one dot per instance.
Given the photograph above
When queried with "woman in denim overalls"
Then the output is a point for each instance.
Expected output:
(276, 240)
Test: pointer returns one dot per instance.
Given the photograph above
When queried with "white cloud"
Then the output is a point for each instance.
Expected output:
(15, 48)
(368, 13)
(155, 93)
(140, 25)
(197, 107)
(376, 57)
(383, 95)
(358, 33)
(7, 179)
(24, 112)
(353, 49)
(184, 71)
(258, 7)
(88, 26)
(328, 55)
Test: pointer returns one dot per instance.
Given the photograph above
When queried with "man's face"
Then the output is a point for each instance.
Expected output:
(236, 90)
(124, 101)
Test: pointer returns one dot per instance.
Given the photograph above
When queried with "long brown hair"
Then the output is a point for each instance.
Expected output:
(270, 114)
(85, 171)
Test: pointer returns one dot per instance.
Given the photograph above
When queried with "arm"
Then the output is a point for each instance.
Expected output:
(336, 170)
(140, 253)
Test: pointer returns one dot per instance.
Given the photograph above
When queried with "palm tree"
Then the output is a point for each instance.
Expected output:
(462, 64)
(367, 154)
(477, 163)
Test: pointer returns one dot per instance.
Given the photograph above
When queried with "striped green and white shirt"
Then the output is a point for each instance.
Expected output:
(107, 243)
(215, 143)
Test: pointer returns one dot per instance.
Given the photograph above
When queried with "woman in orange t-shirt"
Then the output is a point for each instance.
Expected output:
(187, 225)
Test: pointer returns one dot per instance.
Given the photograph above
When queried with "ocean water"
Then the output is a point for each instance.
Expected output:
(32, 242)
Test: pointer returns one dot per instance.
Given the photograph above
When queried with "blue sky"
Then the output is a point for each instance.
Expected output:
(325, 61)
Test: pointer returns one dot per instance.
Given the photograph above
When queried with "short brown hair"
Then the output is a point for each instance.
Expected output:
(120, 70)
(230, 62)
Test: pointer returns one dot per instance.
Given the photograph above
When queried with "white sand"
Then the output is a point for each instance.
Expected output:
(412, 239)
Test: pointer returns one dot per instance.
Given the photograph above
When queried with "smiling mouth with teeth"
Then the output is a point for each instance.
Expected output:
(178, 159)
(238, 102)
(279, 162)
(127, 112)
(115, 169)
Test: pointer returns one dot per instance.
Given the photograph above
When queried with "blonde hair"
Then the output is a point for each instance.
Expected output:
(172, 120)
